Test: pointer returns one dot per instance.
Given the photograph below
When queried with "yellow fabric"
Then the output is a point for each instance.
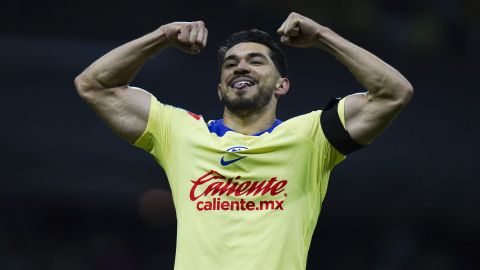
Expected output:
(341, 111)
(258, 212)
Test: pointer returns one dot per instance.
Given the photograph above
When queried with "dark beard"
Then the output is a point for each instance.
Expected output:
(242, 105)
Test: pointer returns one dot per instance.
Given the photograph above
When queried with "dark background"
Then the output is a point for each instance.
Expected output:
(74, 196)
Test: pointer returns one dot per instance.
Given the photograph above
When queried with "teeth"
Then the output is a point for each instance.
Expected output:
(242, 84)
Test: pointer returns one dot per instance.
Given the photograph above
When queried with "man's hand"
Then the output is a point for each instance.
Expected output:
(300, 31)
(189, 37)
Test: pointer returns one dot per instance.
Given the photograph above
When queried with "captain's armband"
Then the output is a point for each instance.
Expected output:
(334, 130)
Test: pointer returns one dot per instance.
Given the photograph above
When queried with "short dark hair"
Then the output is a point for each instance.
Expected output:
(257, 36)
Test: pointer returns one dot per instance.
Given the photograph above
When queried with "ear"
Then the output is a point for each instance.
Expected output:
(282, 86)
(219, 88)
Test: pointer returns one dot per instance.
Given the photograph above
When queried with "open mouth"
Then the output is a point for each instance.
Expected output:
(242, 82)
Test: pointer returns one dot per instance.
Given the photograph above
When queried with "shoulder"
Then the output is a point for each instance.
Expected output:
(160, 109)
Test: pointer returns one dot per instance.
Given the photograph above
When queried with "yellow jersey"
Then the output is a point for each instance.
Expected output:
(243, 202)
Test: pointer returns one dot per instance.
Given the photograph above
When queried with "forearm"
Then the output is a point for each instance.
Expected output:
(381, 80)
(119, 66)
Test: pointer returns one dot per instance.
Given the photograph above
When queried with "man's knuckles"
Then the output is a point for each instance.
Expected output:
(184, 35)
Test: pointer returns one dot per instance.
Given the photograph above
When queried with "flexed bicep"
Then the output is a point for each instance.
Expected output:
(367, 117)
(123, 109)
(104, 84)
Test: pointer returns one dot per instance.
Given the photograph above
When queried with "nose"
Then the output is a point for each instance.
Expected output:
(241, 68)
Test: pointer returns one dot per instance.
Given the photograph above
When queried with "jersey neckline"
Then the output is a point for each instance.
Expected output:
(219, 128)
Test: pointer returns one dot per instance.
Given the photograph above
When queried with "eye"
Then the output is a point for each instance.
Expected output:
(229, 65)
(256, 62)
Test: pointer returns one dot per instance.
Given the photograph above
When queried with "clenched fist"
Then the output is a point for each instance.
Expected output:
(300, 31)
(190, 37)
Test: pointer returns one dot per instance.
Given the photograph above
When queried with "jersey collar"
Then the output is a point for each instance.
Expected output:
(219, 128)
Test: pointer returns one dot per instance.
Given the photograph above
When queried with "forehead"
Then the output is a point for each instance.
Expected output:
(243, 49)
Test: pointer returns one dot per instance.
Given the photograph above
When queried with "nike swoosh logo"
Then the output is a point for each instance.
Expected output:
(228, 162)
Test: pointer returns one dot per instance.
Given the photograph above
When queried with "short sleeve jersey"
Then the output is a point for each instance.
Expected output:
(243, 202)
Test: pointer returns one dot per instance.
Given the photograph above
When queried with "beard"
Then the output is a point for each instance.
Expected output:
(240, 104)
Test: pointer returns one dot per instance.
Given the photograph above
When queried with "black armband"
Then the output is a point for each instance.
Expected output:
(333, 129)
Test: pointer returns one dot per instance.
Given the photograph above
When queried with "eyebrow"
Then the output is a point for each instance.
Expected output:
(250, 55)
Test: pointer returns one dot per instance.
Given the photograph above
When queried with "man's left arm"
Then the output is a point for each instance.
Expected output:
(388, 92)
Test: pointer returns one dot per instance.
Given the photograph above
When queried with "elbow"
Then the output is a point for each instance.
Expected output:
(397, 96)
(83, 86)
(401, 94)
(80, 84)
(406, 93)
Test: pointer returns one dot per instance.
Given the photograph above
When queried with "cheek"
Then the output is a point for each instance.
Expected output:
(223, 75)
(268, 75)
(223, 81)
(269, 80)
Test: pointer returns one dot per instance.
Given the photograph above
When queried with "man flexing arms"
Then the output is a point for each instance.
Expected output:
(251, 193)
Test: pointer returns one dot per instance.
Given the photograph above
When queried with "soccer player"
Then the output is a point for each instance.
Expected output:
(247, 188)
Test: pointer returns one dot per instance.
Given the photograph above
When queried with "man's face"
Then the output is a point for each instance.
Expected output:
(248, 78)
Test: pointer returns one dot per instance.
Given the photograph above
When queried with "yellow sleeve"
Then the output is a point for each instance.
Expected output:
(156, 137)
(341, 112)
(331, 156)
(334, 157)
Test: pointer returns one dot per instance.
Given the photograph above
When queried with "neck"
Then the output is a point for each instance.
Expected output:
(250, 123)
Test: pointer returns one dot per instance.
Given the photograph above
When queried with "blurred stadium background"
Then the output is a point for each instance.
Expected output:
(74, 196)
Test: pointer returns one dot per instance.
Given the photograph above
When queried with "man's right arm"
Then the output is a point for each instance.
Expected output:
(104, 84)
